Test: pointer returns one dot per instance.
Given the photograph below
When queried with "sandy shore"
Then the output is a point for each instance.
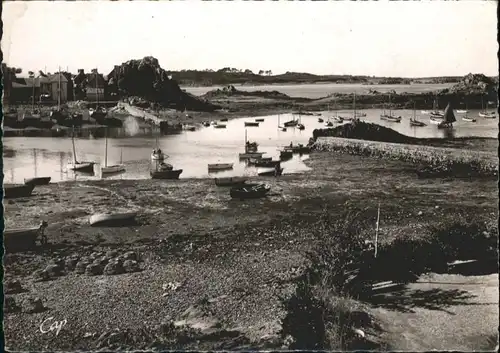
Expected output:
(236, 257)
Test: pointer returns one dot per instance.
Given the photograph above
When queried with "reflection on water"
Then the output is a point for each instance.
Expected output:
(192, 151)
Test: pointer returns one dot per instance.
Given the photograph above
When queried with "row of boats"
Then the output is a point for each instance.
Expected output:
(294, 123)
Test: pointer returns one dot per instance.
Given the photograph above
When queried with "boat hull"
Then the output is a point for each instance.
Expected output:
(220, 166)
(166, 174)
(435, 120)
(417, 123)
(266, 164)
(259, 120)
(23, 238)
(487, 115)
(251, 155)
(251, 124)
(219, 126)
(250, 191)
(273, 172)
(86, 167)
(290, 123)
(470, 120)
(16, 191)
(232, 181)
(113, 169)
(285, 155)
(37, 181)
(393, 119)
(112, 219)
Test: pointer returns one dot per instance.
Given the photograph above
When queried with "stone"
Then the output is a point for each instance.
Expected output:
(32, 305)
(81, 266)
(130, 255)
(10, 305)
(54, 270)
(113, 268)
(112, 253)
(70, 263)
(93, 270)
(41, 275)
(12, 286)
(130, 266)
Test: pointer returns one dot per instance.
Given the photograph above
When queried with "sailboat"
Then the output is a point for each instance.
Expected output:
(300, 126)
(414, 121)
(86, 167)
(390, 117)
(282, 128)
(449, 118)
(435, 113)
(108, 169)
(157, 154)
(353, 117)
(58, 114)
(320, 120)
(336, 117)
(36, 180)
(466, 117)
(484, 113)
(250, 150)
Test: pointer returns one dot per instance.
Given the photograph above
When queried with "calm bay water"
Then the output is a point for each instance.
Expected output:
(192, 150)
(319, 90)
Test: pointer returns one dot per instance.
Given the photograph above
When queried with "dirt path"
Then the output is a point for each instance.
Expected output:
(441, 312)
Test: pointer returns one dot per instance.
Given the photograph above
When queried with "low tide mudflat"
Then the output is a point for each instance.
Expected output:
(236, 257)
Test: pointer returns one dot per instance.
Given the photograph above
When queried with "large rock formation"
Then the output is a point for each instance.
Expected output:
(146, 79)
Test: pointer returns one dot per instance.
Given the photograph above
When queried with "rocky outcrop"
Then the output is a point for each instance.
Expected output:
(146, 79)
(233, 91)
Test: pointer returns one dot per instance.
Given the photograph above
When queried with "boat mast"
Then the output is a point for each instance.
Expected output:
(59, 91)
(73, 143)
(34, 156)
(106, 149)
(414, 111)
(96, 90)
(33, 100)
(354, 105)
(390, 109)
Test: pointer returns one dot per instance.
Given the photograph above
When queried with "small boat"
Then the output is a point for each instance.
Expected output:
(338, 119)
(220, 126)
(360, 115)
(389, 116)
(449, 118)
(12, 191)
(231, 181)
(286, 154)
(250, 149)
(112, 219)
(249, 191)
(291, 123)
(274, 172)
(251, 155)
(260, 120)
(110, 169)
(84, 167)
(266, 164)
(300, 148)
(469, 119)
(188, 127)
(328, 123)
(461, 111)
(414, 121)
(37, 181)
(251, 123)
(24, 238)
(435, 120)
(253, 161)
(205, 123)
(213, 123)
(301, 127)
(223, 119)
(435, 112)
(320, 120)
(165, 174)
(484, 113)
(424, 111)
(220, 166)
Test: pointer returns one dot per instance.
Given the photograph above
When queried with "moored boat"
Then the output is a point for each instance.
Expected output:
(461, 111)
(260, 120)
(231, 181)
(435, 120)
(110, 169)
(286, 154)
(165, 174)
(250, 149)
(449, 118)
(112, 219)
(79, 166)
(220, 166)
(266, 164)
(469, 119)
(205, 123)
(223, 119)
(12, 191)
(273, 172)
(484, 113)
(291, 123)
(219, 126)
(37, 181)
(320, 120)
(251, 123)
(249, 191)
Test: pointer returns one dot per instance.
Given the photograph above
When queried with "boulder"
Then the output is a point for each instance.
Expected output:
(94, 269)
(41, 275)
(70, 263)
(113, 268)
(10, 305)
(32, 305)
(131, 266)
(54, 270)
(12, 286)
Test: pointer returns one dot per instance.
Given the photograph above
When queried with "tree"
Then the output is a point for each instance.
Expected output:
(261, 72)
(249, 72)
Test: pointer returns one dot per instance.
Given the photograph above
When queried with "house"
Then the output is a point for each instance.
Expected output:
(59, 82)
(95, 87)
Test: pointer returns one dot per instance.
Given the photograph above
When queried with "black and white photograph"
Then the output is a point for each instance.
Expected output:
(250, 175)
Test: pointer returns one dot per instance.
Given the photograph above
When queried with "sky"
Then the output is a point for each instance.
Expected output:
(407, 39)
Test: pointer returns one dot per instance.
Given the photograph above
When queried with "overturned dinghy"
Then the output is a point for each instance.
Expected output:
(24, 238)
(13, 191)
(113, 219)
(249, 191)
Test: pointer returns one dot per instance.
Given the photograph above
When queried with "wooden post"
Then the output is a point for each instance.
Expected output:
(376, 230)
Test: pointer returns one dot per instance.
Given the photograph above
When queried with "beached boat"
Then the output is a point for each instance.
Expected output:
(12, 191)
(273, 172)
(24, 238)
(224, 119)
(84, 167)
(37, 181)
(231, 181)
(205, 123)
(320, 120)
(280, 127)
(220, 126)
(291, 123)
(165, 174)
(300, 148)
(251, 123)
(220, 166)
(249, 191)
(110, 169)
(112, 219)
(260, 120)
(449, 118)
